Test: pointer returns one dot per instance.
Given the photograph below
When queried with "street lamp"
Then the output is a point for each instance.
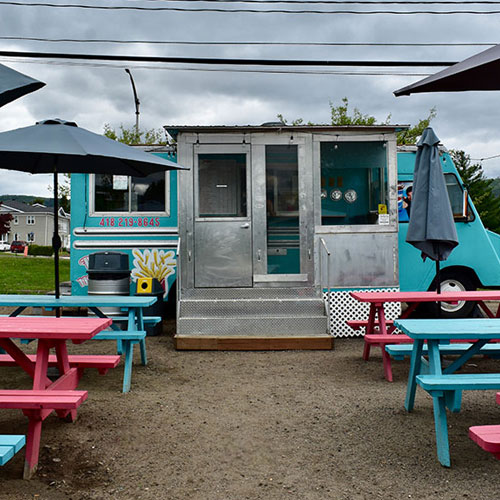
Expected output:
(137, 103)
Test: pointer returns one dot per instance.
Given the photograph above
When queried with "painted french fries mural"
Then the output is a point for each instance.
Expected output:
(159, 264)
(153, 264)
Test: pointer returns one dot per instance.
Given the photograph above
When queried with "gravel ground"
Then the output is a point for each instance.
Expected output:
(252, 425)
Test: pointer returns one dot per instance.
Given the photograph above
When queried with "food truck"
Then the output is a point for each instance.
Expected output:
(261, 241)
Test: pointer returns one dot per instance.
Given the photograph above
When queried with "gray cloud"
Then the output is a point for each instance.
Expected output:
(94, 96)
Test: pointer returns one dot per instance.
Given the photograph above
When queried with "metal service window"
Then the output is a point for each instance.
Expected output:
(120, 194)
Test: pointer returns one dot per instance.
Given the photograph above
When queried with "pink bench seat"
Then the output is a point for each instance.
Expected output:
(37, 405)
(81, 361)
(487, 437)
(41, 400)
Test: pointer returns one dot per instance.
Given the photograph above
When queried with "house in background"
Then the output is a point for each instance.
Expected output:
(34, 223)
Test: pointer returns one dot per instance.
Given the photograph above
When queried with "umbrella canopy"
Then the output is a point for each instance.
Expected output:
(431, 228)
(62, 145)
(53, 146)
(14, 85)
(479, 72)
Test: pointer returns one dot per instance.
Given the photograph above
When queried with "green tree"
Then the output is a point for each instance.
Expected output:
(64, 191)
(342, 115)
(133, 137)
(411, 135)
(480, 189)
(5, 222)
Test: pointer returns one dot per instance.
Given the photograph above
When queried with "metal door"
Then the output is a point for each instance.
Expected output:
(222, 225)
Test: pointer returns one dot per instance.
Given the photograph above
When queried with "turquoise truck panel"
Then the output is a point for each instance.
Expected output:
(149, 236)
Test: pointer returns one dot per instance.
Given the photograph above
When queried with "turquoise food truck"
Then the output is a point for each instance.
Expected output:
(474, 263)
(139, 216)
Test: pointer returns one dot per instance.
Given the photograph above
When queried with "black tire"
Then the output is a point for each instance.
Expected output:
(451, 281)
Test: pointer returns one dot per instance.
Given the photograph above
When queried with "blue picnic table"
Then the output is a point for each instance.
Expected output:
(131, 306)
(443, 384)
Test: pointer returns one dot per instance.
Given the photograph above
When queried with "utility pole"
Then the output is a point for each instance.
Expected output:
(137, 103)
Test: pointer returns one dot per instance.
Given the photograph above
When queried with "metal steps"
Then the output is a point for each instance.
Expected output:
(255, 312)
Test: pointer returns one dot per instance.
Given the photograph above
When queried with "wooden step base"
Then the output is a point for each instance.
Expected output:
(251, 343)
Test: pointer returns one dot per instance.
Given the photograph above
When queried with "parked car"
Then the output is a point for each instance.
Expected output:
(4, 246)
(18, 246)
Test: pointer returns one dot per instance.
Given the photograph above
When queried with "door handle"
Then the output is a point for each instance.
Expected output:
(245, 226)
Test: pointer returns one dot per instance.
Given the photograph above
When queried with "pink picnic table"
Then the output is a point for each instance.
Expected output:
(46, 395)
(379, 330)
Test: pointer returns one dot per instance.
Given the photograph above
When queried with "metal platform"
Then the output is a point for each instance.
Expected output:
(253, 318)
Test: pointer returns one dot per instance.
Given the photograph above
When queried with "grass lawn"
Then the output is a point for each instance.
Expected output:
(33, 275)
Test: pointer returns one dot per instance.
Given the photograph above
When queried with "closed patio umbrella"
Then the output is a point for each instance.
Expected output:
(479, 72)
(431, 228)
(14, 85)
(54, 146)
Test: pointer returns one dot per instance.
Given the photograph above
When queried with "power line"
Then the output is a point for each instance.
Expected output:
(247, 11)
(220, 61)
(224, 70)
(487, 158)
(346, 2)
(306, 44)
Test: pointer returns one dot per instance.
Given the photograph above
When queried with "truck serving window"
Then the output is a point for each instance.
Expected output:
(458, 199)
(353, 182)
(127, 195)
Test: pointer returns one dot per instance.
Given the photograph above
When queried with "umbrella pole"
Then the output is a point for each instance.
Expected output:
(438, 287)
(56, 240)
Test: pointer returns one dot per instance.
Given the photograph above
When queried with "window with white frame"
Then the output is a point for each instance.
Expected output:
(4, 238)
(15, 220)
(30, 237)
(120, 194)
(30, 220)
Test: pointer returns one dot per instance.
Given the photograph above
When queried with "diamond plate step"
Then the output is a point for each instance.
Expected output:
(249, 293)
(257, 325)
(288, 306)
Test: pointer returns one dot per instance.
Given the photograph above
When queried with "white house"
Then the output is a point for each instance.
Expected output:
(34, 223)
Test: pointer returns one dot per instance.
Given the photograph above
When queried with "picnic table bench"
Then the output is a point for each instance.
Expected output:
(46, 395)
(131, 306)
(10, 444)
(379, 330)
(487, 436)
(444, 385)
(400, 351)
(103, 363)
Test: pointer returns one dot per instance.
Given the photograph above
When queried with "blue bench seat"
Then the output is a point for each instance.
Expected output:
(400, 351)
(10, 444)
(460, 381)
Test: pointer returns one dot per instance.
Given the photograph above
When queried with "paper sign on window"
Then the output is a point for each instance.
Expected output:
(120, 182)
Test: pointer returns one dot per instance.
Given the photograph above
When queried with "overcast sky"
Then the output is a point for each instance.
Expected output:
(93, 96)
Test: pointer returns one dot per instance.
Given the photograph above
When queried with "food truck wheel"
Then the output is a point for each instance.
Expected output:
(456, 282)
(451, 281)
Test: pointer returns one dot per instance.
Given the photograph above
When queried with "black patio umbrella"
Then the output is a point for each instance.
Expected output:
(479, 72)
(14, 85)
(431, 228)
(54, 146)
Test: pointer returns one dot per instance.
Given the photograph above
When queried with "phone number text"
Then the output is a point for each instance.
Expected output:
(129, 222)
